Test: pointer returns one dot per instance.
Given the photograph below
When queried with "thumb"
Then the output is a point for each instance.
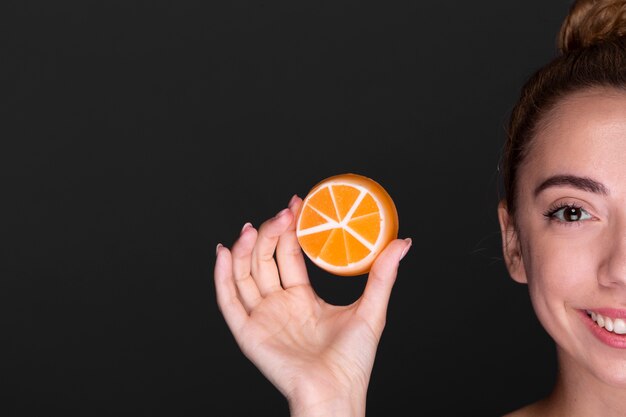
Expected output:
(373, 303)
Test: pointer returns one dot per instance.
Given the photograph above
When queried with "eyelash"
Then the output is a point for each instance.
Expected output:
(549, 214)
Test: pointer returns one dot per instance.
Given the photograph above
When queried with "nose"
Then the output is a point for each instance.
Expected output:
(613, 270)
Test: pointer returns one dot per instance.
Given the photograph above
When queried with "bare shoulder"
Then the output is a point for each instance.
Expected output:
(522, 412)
(536, 409)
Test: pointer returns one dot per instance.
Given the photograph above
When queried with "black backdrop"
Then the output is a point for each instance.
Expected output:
(136, 135)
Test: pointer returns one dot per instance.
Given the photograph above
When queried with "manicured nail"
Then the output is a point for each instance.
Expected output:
(217, 248)
(282, 212)
(245, 227)
(292, 201)
(407, 247)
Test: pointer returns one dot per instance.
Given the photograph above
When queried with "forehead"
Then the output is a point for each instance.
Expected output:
(584, 135)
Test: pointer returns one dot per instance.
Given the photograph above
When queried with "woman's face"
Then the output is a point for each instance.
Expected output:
(569, 239)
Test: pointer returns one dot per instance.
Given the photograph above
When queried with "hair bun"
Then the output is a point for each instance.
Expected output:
(590, 22)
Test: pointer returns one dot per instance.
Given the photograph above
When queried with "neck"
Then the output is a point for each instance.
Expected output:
(578, 392)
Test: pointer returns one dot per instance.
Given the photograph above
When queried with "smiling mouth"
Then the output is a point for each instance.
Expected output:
(617, 326)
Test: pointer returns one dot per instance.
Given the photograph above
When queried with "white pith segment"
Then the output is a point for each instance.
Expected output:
(358, 237)
(320, 227)
(355, 205)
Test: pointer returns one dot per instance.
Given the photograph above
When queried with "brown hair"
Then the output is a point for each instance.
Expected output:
(592, 46)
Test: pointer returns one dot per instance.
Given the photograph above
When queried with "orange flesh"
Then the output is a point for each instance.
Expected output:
(367, 226)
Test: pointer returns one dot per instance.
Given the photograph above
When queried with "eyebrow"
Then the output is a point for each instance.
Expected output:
(581, 183)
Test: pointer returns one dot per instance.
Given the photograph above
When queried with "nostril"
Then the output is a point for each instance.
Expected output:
(613, 270)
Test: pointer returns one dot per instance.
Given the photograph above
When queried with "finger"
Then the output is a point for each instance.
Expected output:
(241, 259)
(375, 299)
(227, 300)
(289, 253)
(264, 269)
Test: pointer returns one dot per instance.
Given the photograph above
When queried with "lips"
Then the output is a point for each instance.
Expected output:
(611, 324)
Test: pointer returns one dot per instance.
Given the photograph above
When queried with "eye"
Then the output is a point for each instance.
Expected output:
(568, 214)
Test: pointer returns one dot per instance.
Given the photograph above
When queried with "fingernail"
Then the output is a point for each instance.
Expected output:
(292, 201)
(217, 248)
(245, 226)
(282, 212)
(407, 247)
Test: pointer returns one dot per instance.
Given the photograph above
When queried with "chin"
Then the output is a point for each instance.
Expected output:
(613, 374)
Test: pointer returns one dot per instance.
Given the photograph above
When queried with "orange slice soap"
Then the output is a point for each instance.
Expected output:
(345, 222)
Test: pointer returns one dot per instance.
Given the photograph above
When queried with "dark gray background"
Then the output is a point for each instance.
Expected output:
(136, 135)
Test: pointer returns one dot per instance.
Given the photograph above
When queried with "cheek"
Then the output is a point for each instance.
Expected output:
(561, 270)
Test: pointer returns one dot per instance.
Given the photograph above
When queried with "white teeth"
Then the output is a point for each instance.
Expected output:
(617, 326)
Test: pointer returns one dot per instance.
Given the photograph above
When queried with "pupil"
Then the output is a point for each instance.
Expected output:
(572, 214)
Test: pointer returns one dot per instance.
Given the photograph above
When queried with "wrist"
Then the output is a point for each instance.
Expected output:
(313, 403)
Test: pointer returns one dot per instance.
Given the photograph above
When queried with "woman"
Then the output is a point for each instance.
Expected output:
(563, 225)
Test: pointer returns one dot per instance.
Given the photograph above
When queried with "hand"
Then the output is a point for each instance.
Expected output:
(319, 356)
